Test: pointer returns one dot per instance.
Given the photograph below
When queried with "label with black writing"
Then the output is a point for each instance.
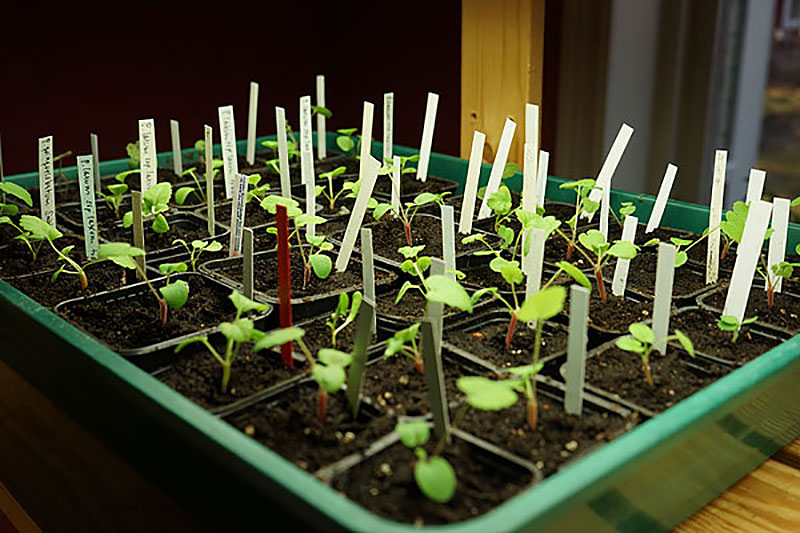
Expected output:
(47, 193)
(86, 184)
(237, 213)
(148, 158)
(227, 132)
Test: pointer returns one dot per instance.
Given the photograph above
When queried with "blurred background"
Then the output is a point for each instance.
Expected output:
(690, 76)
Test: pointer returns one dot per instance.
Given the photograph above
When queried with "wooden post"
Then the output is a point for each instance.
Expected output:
(499, 38)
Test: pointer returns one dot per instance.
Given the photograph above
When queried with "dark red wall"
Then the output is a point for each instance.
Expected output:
(68, 73)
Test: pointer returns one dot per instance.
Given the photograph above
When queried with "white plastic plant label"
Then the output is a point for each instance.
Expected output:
(449, 240)
(252, 117)
(241, 182)
(755, 185)
(610, 164)
(322, 148)
(605, 205)
(662, 303)
(541, 178)
(427, 136)
(368, 269)
(532, 263)
(372, 167)
(777, 242)
(367, 118)
(93, 141)
(621, 269)
(208, 139)
(471, 184)
(661, 200)
(715, 216)
(283, 152)
(396, 182)
(576, 349)
(177, 158)
(529, 175)
(307, 161)
(388, 126)
(47, 192)
(89, 215)
(230, 158)
(148, 157)
(498, 166)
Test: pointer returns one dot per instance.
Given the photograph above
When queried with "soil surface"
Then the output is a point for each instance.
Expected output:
(410, 186)
(289, 425)
(642, 277)
(660, 233)
(186, 227)
(103, 276)
(700, 325)
(135, 322)
(615, 314)
(385, 484)
(697, 256)
(16, 258)
(410, 309)
(268, 241)
(785, 312)
(621, 374)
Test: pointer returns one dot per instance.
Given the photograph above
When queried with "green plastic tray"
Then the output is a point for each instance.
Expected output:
(650, 479)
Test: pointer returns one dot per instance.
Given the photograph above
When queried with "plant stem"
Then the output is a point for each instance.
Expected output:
(321, 405)
(226, 376)
(533, 412)
(598, 274)
(510, 333)
(646, 366)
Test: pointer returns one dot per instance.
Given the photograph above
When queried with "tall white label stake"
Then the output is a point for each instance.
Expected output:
(662, 304)
(449, 240)
(498, 166)
(471, 185)
(252, 116)
(541, 178)
(576, 349)
(237, 213)
(307, 161)
(357, 216)
(755, 185)
(533, 270)
(366, 135)
(177, 158)
(610, 164)
(715, 216)
(532, 126)
(208, 136)
(605, 205)
(47, 192)
(621, 270)
(529, 175)
(777, 242)
(661, 199)
(427, 136)
(86, 179)
(388, 126)
(396, 182)
(95, 158)
(368, 269)
(322, 148)
(230, 159)
(755, 227)
(148, 157)
(283, 152)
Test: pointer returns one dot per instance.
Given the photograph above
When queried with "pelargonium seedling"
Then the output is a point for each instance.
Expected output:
(197, 248)
(732, 324)
(346, 311)
(782, 270)
(198, 189)
(155, 202)
(346, 143)
(327, 369)
(115, 197)
(329, 193)
(33, 231)
(681, 253)
(291, 150)
(625, 209)
(406, 212)
(405, 342)
(237, 332)
(595, 243)
(583, 205)
(175, 293)
(12, 189)
(315, 260)
(256, 190)
(433, 474)
(642, 340)
(132, 149)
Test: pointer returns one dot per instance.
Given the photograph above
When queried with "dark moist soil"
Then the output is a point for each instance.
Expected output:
(289, 425)
(621, 373)
(697, 256)
(318, 335)
(136, 322)
(615, 314)
(700, 325)
(559, 437)
(642, 277)
(385, 485)
(410, 186)
(105, 215)
(265, 274)
(488, 343)
(180, 227)
(103, 276)
(388, 236)
(254, 215)
(410, 309)
(197, 374)
(785, 312)
(16, 259)
(662, 234)
(135, 181)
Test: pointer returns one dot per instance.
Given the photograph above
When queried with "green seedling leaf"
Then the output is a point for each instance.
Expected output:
(402, 292)
(627, 208)
(380, 210)
(175, 294)
(685, 342)
(331, 378)
(305, 219)
(158, 195)
(16, 191)
(160, 224)
(240, 330)
(321, 264)
(345, 144)
(680, 258)
(678, 242)
(8, 209)
(127, 219)
(122, 176)
(728, 323)
(357, 298)
(444, 289)
(171, 268)
(629, 344)
(585, 183)
(270, 202)
(486, 394)
(593, 240)
(38, 228)
(187, 342)
(117, 189)
(427, 198)
(507, 234)
(329, 356)
(509, 170)
(244, 304)
(512, 275)
(471, 238)
(590, 206)
(795, 202)
(410, 252)
(120, 253)
(498, 264)
(652, 242)
(526, 371)
(749, 320)
(642, 332)
(279, 337)
(575, 273)
(212, 246)
(413, 434)
(543, 305)
(182, 193)
(623, 250)
(500, 201)
(436, 479)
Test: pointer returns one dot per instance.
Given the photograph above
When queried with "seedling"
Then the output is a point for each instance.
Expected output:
(781, 270)
(115, 196)
(291, 149)
(255, 191)
(732, 324)
(642, 341)
(198, 189)
(346, 143)
(315, 260)
(346, 311)
(406, 212)
(155, 202)
(681, 255)
(328, 369)
(583, 205)
(33, 231)
(174, 293)
(625, 209)
(10, 188)
(132, 149)
(237, 332)
(405, 342)
(595, 243)
(197, 248)
(328, 192)
(435, 477)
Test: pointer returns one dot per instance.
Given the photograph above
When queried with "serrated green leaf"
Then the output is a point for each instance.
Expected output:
(157, 196)
(409, 252)
(507, 234)
(171, 268)
(500, 201)
(38, 228)
(240, 330)
(592, 240)
(511, 275)
(622, 250)
(486, 394)
(244, 304)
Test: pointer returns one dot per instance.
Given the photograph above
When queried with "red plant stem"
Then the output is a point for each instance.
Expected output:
(601, 287)
(284, 281)
(570, 247)
(770, 296)
(724, 252)
(533, 413)
(419, 364)
(407, 227)
(323, 402)
(162, 304)
(306, 276)
(510, 333)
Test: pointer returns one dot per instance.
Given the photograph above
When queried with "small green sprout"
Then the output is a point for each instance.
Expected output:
(406, 212)
(435, 477)
(174, 293)
(198, 189)
(8, 187)
(642, 341)
(132, 149)
(328, 369)
(197, 248)
(155, 202)
(345, 310)
(731, 323)
(781, 270)
(237, 332)
(405, 342)
(595, 243)
(291, 149)
(346, 143)
(583, 205)
(115, 196)
(329, 193)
